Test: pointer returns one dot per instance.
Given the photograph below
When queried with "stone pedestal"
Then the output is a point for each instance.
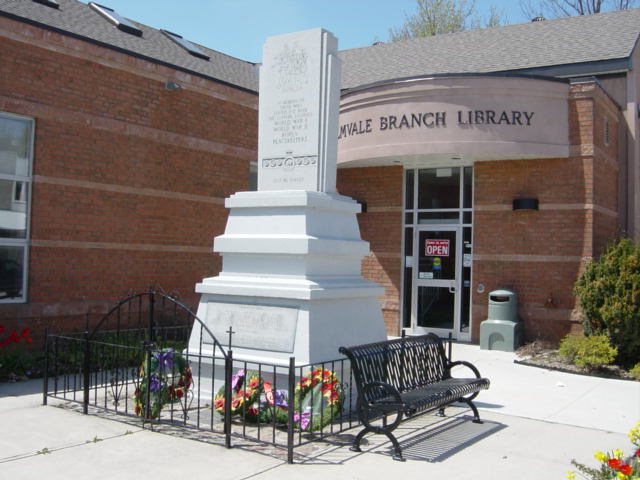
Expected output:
(290, 283)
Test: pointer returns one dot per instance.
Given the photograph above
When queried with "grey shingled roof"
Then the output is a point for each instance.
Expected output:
(79, 19)
(527, 46)
(589, 38)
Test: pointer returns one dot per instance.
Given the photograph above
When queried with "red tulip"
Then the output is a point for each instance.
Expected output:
(626, 469)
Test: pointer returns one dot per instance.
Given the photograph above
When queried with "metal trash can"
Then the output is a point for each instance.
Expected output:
(502, 330)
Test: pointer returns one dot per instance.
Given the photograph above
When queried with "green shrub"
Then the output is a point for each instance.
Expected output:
(587, 352)
(608, 292)
(569, 347)
(20, 362)
(635, 371)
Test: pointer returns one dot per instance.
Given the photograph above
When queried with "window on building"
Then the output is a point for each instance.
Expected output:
(116, 19)
(48, 3)
(186, 44)
(16, 147)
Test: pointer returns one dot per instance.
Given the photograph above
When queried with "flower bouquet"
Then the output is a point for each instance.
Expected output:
(245, 394)
(614, 466)
(166, 379)
(317, 400)
(275, 406)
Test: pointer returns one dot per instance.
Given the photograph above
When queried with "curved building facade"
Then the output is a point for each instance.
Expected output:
(478, 182)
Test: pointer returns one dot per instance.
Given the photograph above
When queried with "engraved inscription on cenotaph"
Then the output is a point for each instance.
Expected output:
(258, 327)
(298, 122)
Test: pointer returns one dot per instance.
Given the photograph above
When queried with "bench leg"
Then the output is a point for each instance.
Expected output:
(397, 455)
(356, 441)
(386, 430)
(476, 415)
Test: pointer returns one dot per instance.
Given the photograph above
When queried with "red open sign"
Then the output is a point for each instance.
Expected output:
(436, 248)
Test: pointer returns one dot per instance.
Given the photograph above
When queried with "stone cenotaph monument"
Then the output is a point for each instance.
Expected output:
(290, 283)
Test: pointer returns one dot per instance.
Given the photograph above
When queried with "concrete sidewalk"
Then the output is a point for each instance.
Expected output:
(535, 422)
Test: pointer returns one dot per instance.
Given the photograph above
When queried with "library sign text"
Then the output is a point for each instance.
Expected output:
(437, 119)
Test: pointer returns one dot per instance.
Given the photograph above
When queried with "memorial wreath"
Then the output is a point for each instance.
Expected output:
(245, 394)
(317, 400)
(166, 379)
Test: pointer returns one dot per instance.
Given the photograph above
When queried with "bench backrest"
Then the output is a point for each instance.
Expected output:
(406, 363)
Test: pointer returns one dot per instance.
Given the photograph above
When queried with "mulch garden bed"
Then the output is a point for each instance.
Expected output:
(544, 355)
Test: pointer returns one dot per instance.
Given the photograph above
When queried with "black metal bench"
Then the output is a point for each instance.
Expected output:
(406, 376)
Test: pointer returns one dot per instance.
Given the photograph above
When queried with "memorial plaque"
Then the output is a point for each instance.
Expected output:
(259, 327)
(298, 112)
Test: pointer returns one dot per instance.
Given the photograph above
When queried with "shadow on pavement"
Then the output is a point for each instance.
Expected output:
(424, 438)
(19, 388)
(444, 440)
(488, 405)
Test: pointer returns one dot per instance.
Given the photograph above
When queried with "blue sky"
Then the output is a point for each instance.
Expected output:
(239, 27)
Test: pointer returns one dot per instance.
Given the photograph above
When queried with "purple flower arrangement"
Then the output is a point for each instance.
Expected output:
(165, 379)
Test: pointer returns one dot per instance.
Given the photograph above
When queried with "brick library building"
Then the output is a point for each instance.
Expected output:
(502, 158)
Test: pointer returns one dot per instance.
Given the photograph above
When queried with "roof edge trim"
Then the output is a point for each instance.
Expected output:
(568, 70)
(451, 75)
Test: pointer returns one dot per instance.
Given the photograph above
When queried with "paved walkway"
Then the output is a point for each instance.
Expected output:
(536, 421)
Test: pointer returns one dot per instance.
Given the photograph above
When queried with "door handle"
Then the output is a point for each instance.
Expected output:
(452, 289)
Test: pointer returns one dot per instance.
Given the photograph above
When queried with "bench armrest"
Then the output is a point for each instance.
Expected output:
(392, 403)
(466, 364)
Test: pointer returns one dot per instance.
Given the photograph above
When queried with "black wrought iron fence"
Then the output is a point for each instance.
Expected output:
(290, 405)
(138, 361)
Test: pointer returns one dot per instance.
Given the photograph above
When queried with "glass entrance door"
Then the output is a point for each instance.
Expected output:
(436, 280)
(438, 251)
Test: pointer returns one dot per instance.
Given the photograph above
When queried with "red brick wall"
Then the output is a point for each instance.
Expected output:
(540, 254)
(129, 179)
(606, 170)
(381, 226)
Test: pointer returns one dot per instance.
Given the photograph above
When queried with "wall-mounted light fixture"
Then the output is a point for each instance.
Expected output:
(169, 85)
(525, 204)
